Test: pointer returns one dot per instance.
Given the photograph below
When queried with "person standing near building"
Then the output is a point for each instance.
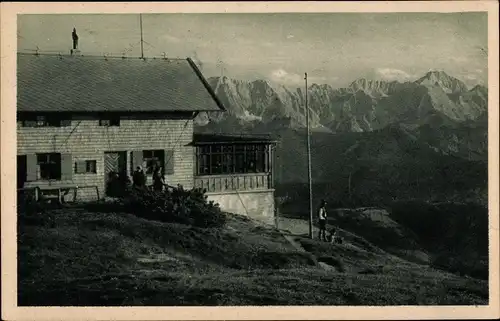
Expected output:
(139, 178)
(158, 179)
(322, 221)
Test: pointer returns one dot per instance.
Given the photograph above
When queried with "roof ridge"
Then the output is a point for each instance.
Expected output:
(99, 56)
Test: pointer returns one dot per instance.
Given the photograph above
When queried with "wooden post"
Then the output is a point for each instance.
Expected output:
(309, 165)
(59, 195)
(276, 214)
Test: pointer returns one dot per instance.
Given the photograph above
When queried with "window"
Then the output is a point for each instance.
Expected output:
(110, 121)
(153, 158)
(86, 167)
(91, 166)
(232, 159)
(48, 166)
(240, 159)
(204, 160)
(46, 121)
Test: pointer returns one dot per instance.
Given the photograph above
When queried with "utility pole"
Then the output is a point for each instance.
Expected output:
(309, 165)
(142, 41)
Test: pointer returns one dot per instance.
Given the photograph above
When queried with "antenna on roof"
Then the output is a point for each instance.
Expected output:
(142, 40)
(74, 48)
(220, 64)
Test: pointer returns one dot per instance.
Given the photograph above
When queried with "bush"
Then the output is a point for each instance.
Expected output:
(473, 266)
(177, 206)
(32, 213)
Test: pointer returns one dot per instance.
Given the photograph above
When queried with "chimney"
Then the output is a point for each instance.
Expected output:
(75, 50)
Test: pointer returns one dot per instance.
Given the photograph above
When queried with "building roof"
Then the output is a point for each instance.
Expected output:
(53, 83)
(203, 139)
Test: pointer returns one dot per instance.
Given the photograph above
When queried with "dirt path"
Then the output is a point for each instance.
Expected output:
(291, 239)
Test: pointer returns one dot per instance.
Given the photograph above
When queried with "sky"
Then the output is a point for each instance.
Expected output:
(333, 48)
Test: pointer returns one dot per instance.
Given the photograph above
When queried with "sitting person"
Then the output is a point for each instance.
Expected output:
(334, 238)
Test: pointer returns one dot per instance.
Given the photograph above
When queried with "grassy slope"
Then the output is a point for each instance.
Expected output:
(90, 258)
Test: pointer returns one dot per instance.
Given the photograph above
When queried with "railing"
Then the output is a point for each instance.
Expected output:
(233, 182)
(58, 193)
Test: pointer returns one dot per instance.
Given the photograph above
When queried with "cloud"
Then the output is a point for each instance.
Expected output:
(283, 77)
(90, 31)
(392, 74)
(459, 59)
(170, 38)
(197, 60)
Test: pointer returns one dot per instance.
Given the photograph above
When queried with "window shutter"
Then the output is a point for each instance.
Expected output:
(267, 157)
(31, 167)
(169, 162)
(137, 159)
(66, 167)
(80, 167)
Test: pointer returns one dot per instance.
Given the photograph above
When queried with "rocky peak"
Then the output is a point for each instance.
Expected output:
(442, 79)
(371, 87)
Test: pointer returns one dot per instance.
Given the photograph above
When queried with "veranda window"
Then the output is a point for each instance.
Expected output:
(232, 159)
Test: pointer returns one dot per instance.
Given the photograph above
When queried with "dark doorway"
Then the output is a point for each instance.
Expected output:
(22, 170)
(115, 172)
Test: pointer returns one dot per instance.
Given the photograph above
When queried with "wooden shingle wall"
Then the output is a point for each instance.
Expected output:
(86, 140)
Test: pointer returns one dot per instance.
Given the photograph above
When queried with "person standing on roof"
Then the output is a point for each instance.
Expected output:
(75, 39)
(322, 221)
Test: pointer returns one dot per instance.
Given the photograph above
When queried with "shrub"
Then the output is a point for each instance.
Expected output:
(32, 213)
(471, 265)
(177, 206)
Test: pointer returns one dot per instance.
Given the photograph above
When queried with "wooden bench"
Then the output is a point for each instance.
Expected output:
(57, 192)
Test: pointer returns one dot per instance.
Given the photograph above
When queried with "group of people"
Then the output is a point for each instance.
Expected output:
(139, 178)
(322, 219)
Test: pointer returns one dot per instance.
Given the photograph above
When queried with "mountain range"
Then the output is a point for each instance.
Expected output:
(364, 105)
(435, 126)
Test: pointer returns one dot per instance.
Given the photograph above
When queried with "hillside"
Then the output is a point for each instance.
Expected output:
(449, 236)
(89, 257)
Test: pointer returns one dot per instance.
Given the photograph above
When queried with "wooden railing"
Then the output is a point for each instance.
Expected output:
(57, 193)
(233, 182)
